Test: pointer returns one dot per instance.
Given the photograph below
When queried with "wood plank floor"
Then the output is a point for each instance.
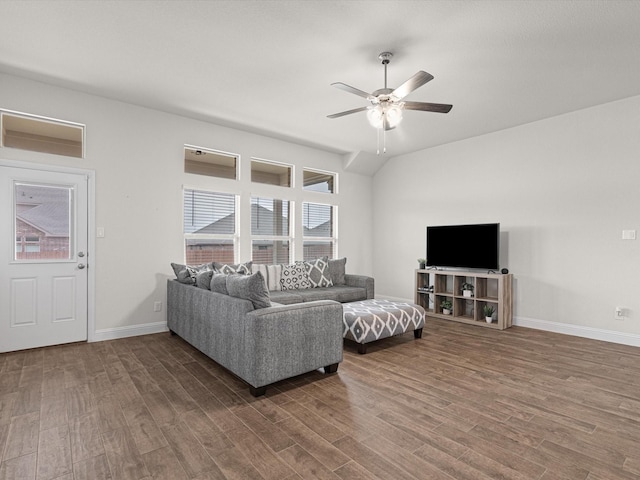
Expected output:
(463, 402)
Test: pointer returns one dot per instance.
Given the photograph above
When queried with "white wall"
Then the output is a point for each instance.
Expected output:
(137, 154)
(563, 189)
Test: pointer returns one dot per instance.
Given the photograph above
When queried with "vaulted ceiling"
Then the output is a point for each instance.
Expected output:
(267, 66)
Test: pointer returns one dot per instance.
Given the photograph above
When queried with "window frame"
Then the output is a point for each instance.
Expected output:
(234, 237)
(44, 120)
(324, 172)
(334, 229)
(213, 151)
(273, 162)
(273, 238)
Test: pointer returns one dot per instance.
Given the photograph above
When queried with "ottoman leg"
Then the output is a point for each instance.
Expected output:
(362, 348)
(417, 333)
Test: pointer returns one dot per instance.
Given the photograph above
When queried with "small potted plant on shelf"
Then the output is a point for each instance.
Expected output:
(423, 263)
(467, 289)
(446, 306)
(488, 313)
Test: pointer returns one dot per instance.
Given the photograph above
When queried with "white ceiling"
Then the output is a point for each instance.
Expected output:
(267, 66)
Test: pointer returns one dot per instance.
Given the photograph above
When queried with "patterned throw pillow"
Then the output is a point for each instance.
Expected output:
(294, 277)
(318, 272)
(240, 268)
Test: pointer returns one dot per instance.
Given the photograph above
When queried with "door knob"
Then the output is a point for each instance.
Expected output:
(81, 266)
(81, 254)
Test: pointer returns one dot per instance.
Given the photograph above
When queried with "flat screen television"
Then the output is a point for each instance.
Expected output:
(464, 246)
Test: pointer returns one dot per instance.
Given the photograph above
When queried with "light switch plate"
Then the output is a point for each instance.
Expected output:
(628, 234)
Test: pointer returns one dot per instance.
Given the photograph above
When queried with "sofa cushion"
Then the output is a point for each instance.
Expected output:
(294, 277)
(318, 272)
(271, 273)
(249, 287)
(339, 293)
(286, 297)
(219, 283)
(187, 273)
(239, 268)
(337, 270)
(203, 279)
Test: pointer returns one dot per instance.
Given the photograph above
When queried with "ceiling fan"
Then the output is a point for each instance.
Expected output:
(386, 106)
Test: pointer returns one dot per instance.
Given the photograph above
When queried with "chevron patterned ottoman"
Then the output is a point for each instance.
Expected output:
(371, 320)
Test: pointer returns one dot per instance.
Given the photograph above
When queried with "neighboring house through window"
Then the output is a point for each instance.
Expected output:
(210, 226)
(319, 230)
(270, 226)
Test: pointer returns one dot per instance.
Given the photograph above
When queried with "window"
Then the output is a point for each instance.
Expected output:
(270, 227)
(40, 134)
(318, 181)
(272, 173)
(202, 161)
(209, 227)
(43, 221)
(319, 230)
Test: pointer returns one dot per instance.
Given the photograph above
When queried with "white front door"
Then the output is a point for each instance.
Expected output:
(43, 258)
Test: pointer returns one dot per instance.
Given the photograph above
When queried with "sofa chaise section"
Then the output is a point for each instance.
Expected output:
(261, 346)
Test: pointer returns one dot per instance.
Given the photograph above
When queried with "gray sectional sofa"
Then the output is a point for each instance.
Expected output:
(259, 335)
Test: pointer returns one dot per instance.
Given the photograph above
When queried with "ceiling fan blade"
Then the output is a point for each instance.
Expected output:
(348, 112)
(410, 85)
(350, 89)
(428, 107)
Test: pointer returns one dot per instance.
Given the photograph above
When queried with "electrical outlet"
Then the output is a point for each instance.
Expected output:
(157, 306)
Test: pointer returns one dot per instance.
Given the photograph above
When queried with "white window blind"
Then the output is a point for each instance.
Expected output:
(209, 212)
(318, 224)
(209, 227)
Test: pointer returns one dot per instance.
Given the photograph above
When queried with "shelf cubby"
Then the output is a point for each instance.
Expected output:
(495, 289)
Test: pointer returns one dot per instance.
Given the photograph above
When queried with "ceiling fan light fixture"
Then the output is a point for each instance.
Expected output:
(377, 114)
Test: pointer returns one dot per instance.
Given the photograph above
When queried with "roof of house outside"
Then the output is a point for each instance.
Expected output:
(44, 208)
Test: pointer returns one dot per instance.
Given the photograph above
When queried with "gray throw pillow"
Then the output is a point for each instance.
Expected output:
(337, 270)
(249, 287)
(219, 283)
(318, 272)
(239, 268)
(187, 273)
(203, 279)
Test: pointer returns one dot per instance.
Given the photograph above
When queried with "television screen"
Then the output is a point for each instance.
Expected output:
(464, 246)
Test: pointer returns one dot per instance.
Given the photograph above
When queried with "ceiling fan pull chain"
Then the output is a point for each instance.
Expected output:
(384, 140)
(378, 141)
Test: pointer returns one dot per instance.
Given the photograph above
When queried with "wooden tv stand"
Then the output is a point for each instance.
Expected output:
(494, 289)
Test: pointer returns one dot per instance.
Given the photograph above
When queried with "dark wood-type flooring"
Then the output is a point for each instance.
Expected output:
(463, 403)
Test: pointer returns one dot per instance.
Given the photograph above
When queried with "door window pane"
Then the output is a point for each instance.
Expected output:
(43, 221)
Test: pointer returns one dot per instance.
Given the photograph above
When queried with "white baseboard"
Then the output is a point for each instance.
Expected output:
(612, 336)
(129, 331)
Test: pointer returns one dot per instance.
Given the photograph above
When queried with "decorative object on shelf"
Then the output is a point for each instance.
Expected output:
(423, 263)
(446, 306)
(467, 289)
(488, 313)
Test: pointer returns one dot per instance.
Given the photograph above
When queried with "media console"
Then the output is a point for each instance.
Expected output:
(492, 289)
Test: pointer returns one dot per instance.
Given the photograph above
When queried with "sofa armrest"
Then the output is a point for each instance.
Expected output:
(288, 340)
(361, 281)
